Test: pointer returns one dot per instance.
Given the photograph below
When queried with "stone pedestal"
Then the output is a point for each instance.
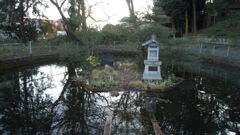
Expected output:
(152, 70)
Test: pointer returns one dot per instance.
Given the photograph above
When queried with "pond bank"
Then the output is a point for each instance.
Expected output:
(19, 61)
(26, 61)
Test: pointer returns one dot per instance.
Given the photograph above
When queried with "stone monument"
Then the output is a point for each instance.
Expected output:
(152, 69)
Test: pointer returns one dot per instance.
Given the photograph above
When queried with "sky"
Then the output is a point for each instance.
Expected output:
(115, 9)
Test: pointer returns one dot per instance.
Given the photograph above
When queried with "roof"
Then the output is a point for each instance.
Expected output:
(151, 41)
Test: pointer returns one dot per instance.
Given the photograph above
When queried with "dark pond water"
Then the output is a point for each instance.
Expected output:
(44, 100)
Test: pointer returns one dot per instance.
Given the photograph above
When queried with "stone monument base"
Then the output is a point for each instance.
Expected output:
(152, 76)
(152, 70)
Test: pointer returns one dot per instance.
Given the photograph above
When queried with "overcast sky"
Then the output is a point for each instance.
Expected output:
(115, 9)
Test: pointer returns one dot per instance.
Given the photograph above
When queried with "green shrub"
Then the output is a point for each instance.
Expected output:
(115, 33)
(58, 38)
(90, 37)
(93, 61)
(144, 32)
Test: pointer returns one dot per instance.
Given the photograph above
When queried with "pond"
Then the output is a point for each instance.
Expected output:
(45, 100)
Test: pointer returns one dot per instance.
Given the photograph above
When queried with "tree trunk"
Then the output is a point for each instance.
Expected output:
(214, 20)
(132, 12)
(194, 16)
(173, 30)
(25, 101)
(21, 20)
(186, 22)
(208, 20)
(83, 8)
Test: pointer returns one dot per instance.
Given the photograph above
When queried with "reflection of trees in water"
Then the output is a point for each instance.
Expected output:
(76, 111)
(130, 116)
(28, 108)
(83, 112)
(80, 111)
(30, 111)
(193, 114)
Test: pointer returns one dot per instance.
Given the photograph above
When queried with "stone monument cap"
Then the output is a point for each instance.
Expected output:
(152, 41)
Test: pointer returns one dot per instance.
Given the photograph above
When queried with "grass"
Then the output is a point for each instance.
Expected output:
(105, 83)
(126, 66)
(117, 76)
(138, 84)
(152, 84)
(107, 73)
(105, 77)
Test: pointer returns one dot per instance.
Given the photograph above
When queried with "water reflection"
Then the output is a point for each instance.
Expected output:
(130, 116)
(48, 100)
(29, 109)
(227, 74)
(26, 107)
(79, 112)
(200, 108)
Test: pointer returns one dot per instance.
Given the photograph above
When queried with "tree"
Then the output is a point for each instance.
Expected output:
(198, 14)
(183, 13)
(215, 9)
(46, 27)
(159, 15)
(161, 31)
(194, 16)
(115, 33)
(14, 15)
(175, 9)
(133, 18)
(186, 23)
(77, 16)
(28, 106)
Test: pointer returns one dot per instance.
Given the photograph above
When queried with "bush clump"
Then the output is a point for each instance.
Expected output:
(104, 77)
(93, 61)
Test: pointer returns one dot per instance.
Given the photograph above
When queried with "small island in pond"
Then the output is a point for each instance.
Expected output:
(124, 76)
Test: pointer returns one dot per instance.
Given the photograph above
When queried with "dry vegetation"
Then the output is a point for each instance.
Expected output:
(126, 76)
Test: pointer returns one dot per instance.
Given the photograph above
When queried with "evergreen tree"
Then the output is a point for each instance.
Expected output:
(175, 9)
(183, 13)
(14, 18)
